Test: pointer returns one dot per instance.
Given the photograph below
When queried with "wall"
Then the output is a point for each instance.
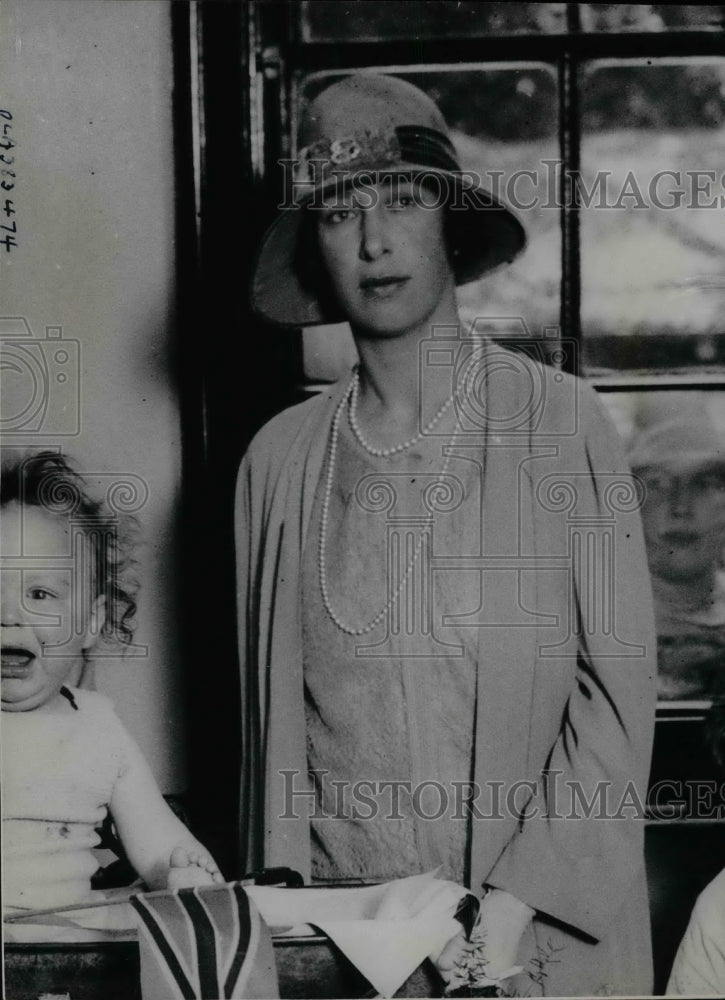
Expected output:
(89, 84)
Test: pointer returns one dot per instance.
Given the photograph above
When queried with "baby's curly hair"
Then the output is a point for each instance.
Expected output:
(48, 480)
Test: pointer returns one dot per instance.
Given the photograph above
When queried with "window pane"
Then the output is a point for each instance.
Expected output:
(676, 446)
(618, 17)
(366, 20)
(504, 125)
(653, 239)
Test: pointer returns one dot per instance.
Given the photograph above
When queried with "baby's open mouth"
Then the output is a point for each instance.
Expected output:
(16, 661)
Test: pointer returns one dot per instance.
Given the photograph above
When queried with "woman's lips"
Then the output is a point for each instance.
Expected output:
(384, 287)
(16, 662)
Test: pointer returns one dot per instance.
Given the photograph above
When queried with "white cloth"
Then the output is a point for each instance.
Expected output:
(386, 931)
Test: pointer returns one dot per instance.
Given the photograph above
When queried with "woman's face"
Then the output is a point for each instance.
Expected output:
(386, 257)
(684, 519)
(48, 618)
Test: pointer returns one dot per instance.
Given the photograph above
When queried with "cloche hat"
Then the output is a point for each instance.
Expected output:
(678, 444)
(373, 124)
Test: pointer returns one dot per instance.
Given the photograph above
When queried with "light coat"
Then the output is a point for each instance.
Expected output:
(556, 492)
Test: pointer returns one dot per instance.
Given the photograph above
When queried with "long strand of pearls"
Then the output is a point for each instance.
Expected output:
(386, 452)
(322, 562)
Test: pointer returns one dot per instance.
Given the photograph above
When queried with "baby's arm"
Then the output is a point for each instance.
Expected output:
(158, 845)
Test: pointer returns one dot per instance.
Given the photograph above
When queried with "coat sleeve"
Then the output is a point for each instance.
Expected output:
(276, 454)
(579, 844)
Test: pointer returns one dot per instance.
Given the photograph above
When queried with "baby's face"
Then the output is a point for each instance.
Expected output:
(46, 623)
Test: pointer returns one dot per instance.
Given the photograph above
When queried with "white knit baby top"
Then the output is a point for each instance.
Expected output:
(59, 770)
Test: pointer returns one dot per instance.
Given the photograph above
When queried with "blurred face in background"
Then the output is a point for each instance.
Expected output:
(684, 519)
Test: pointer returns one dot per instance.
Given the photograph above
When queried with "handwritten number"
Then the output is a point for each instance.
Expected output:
(8, 208)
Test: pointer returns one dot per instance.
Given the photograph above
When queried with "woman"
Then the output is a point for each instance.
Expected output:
(416, 628)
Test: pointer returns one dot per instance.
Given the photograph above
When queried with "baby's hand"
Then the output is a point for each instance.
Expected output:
(190, 866)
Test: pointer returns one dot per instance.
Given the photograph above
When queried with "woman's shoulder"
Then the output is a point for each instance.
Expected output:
(273, 442)
(542, 399)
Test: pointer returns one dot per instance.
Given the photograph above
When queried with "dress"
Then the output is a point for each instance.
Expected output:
(371, 707)
(558, 691)
(59, 771)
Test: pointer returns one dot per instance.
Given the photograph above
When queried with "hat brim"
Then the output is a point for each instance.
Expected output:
(485, 235)
(678, 463)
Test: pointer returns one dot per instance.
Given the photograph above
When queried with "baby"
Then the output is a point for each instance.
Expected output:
(66, 757)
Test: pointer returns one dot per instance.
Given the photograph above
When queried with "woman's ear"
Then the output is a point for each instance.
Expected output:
(96, 621)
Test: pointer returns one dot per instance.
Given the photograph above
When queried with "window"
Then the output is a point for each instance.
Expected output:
(652, 238)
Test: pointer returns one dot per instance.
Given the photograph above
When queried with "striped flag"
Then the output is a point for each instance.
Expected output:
(204, 943)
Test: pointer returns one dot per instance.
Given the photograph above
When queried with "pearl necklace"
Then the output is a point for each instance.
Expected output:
(347, 398)
(386, 452)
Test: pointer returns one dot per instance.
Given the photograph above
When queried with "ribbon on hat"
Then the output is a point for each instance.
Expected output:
(376, 150)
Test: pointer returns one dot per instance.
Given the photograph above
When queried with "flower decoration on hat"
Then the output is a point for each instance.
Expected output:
(368, 150)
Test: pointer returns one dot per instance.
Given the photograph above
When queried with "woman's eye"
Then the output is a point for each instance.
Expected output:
(40, 594)
(338, 216)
